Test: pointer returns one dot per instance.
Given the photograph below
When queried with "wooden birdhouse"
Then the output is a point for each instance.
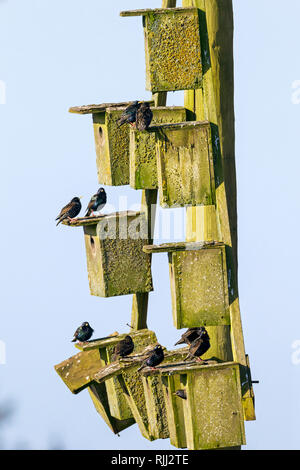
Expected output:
(143, 393)
(116, 262)
(210, 414)
(111, 141)
(199, 285)
(143, 161)
(173, 49)
(80, 372)
(185, 164)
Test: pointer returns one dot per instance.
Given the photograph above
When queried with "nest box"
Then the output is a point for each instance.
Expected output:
(210, 416)
(111, 141)
(143, 161)
(199, 286)
(79, 372)
(116, 262)
(173, 48)
(185, 164)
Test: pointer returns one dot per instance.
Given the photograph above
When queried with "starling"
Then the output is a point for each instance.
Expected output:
(129, 114)
(123, 348)
(180, 394)
(70, 211)
(199, 346)
(83, 333)
(144, 117)
(189, 336)
(156, 357)
(96, 203)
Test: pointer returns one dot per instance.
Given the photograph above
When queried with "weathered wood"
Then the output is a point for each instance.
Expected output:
(94, 220)
(185, 164)
(199, 287)
(143, 161)
(116, 262)
(100, 108)
(156, 11)
(148, 205)
(179, 246)
(78, 371)
(215, 103)
(98, 394)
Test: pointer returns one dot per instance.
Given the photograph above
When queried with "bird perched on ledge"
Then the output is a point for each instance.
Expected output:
(199, 346)
(123, 348)
(189, 336)
(144, 117)
(97, 202)
(129, 114)
(83, 333)
(155, 358)
(70, 211)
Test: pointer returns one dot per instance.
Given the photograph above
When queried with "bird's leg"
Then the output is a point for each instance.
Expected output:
(199, 359)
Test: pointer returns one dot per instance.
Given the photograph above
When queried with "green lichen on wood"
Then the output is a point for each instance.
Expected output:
(185, 164)
(112, 148)
(213, 409)
(174, 409)
(173, 50)
(99, 396)
(143, 165)
(116, 262)
(199, 287)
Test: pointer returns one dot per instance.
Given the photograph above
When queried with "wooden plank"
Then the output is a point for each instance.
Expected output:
(101, 108)
(98, 394)
(155, 11)
(149, 200)
(180, 246)
(78, 371)
(93, 220)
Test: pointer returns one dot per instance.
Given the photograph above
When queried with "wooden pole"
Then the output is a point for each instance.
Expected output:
(149, 201)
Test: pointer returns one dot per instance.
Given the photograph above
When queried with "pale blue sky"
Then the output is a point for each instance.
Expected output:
(58, 54)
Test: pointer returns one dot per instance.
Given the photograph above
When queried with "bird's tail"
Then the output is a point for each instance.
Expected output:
(181, 341)
(60, 220)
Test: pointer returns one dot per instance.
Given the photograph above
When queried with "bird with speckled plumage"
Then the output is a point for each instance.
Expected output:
(70, 211)
(144, 117)
(199, 346)
(156, 356)
(189, 336)
(83, 333)
(96, 203)
(123, 348)
(129, 114)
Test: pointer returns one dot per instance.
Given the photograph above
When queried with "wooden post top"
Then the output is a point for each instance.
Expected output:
(156, 11)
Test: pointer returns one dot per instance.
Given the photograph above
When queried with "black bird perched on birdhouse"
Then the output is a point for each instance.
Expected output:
(70, 211)
(199, 346)
(180, 394)
(156, 357)
(83, 333)
(144, 117)
(97, 202)
(189, 336)
(129, 114)
(123, 348)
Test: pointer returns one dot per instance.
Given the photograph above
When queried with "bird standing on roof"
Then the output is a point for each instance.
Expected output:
(144, 117)
(154, 359)
(189, 336)
(97, 202)
(83, 333)
(123, 348)
(199, 346)
(70, 211)
(129, 114)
